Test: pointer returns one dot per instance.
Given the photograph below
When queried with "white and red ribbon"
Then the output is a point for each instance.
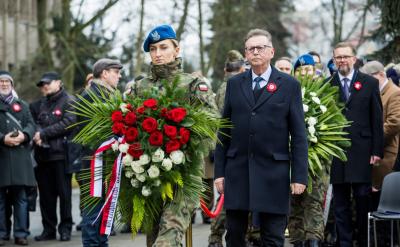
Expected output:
(96, 169)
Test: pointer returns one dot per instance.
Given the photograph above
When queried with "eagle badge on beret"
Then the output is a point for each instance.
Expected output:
(155, 36)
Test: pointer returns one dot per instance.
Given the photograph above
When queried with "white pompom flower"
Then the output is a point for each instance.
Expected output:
(124, 107)
(305, 108)
(141, 177)
(323, 108)
(115, 146)
(127, 160)
(123, 148)
(157, 182)
(153, 171)
(144, 159)
(158, 155)
(167, 164)
(314, 139)
(316, 100)
(313, 94)
(311, 130)
(177, 157)
(146, 191)
(136, 167)
(135, 183)
(128, 173)
(312, 121)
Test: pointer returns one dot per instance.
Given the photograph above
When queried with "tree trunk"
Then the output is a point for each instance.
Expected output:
(139, 41)
(202, 62)
(16, 31)
(43, 32)
(182, 21)
(5, 22)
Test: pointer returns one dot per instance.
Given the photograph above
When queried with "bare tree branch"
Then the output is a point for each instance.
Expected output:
(182, 21)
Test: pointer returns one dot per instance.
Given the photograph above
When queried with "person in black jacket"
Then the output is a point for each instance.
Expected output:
(52, 116)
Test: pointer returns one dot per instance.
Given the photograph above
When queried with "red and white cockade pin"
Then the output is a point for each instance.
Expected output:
(357, 85)
(203, 87)
(16, 107)
(271, 87)
(57, 112)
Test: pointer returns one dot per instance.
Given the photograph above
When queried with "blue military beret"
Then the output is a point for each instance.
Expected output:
(157, 34)
(305, 59)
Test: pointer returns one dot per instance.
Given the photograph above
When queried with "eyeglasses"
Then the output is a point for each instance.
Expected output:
(6, 82)
(340, 58)
(260, 48)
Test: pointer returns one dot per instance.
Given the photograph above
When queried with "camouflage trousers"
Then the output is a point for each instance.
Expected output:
(218, 229)
(174, 220)
(306, 220)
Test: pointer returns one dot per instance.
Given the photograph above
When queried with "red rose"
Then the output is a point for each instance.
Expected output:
(140, 110)
(135, 150)
(172, 145)
(131, 134)
(177, 114)
(185, 135)
(129, 107)
(150, 103)
(156, 138)
(149, 124)
(118, 128)
(170, 131)
(130, 118)
(164, 112)
(116, 116)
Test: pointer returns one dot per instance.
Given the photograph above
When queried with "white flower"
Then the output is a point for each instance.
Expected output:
(146, 191)
(114, 146)
(123, 148)
(153, 171)
(123, 107)
(323, 108)
(312, 121)
(316, 100)
(313, 94)
(136, 167)
(311, 130)
(305, 108)
(135, 183)
(167, 164)
(314, 139)
(177, 157)
(303, 90)
(144, 159)
(141, 177)
(128, 173)
(127, 160)
(157, 182)
(158, 155)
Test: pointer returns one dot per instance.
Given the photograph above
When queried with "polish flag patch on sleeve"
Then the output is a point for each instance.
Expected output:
(203, 87)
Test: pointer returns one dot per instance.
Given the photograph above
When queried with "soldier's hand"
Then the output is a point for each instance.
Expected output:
(10, 141)
(374, 160)
(297, 188)
(219, 184)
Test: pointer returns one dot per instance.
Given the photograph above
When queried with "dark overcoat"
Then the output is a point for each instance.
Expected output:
(267, 147)
(364, 109)
(15, 162)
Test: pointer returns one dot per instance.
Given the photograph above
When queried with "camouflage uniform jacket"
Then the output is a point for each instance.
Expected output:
(197, 88)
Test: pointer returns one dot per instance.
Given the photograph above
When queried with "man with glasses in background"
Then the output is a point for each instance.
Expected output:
(254, 167)
(359, 93)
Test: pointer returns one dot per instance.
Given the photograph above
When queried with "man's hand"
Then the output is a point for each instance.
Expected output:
(36, 138)
(297, 189)
(11, 141)
(374, 160)
(219, 183)
(20, 138)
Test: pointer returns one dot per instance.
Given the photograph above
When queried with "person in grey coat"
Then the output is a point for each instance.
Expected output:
(16, 171)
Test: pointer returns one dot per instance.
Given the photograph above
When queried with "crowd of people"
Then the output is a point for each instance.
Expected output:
(260, 165)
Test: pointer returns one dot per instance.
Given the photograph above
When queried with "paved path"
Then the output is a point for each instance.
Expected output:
(200, 232)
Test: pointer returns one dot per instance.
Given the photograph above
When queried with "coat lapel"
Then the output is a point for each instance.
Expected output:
(246, 87)
(265, 95)
(336, 82)
(353, 91)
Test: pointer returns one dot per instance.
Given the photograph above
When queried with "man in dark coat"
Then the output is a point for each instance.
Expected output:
(16, 172)
(254, 166)
(360, 94)
(52, 116)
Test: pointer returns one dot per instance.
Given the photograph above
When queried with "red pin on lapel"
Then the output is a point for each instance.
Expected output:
(271, 87)
(357, 85)
(16, 107)
(57, 112)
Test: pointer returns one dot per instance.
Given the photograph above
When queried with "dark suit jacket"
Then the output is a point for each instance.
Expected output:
(364, 109)
(256, 161)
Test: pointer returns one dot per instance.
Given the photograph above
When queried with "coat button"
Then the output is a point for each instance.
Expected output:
(253, 113)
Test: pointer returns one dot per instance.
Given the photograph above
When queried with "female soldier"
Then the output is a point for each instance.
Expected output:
(165, 64)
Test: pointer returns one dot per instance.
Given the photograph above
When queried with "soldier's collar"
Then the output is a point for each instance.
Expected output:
(166, 71)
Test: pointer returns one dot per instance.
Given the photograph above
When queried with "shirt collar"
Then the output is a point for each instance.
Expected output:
(266, 75)
(383, 85)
